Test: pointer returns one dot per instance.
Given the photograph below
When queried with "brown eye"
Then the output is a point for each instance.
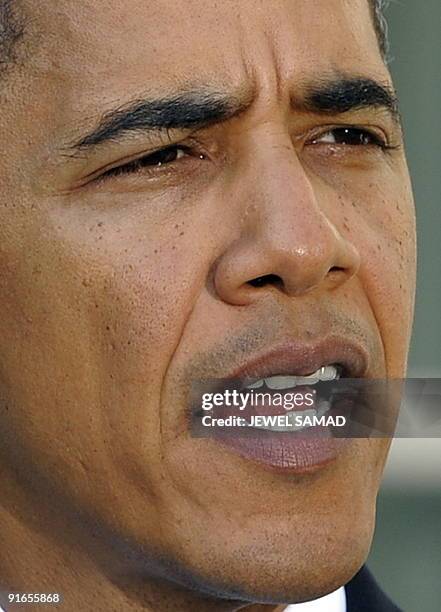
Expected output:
(350, 136)
(163, 157)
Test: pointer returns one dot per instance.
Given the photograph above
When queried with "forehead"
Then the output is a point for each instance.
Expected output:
(115, 44)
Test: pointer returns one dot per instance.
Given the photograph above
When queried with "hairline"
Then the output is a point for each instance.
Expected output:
(12, 33)
(378, 8)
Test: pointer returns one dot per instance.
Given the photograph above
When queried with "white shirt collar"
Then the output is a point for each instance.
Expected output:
(334, 602)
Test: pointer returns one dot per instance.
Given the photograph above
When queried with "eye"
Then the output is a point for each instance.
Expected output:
(351, 136)
(153, 161)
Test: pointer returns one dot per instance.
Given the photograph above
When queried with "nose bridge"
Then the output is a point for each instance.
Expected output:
(283, 210)
(281, 195)
(286, 238)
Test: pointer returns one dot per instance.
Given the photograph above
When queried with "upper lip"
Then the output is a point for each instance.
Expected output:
(300, 359)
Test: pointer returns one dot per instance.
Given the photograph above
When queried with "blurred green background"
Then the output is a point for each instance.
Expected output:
(406, 553)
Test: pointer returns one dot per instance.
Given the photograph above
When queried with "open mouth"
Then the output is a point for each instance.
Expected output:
(281, 409)
(296, 419)
(324, 373)
(279, 403)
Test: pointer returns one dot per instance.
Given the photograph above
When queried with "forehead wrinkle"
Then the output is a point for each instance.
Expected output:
(247, 72)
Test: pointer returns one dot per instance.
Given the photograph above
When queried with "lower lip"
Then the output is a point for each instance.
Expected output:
(296, 453)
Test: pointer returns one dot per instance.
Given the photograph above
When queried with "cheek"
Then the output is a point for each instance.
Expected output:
(388, 245)
(94, 316)
(136, 304)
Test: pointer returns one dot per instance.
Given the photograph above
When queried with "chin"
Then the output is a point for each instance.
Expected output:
(278, 566)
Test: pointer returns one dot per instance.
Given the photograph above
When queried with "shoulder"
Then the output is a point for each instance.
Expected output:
(363, 594)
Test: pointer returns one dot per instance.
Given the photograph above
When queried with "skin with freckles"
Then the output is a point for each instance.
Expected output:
(122, 281)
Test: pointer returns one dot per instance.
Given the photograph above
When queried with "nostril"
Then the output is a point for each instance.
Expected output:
(268, 279)
(336, 269)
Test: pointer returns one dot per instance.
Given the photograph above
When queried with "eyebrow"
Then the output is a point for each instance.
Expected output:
(186, 110)
(204, 107)
(342, 95)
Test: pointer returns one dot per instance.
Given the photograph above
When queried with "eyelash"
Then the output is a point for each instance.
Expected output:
(169, 153)
(361, 133)
(141, 163)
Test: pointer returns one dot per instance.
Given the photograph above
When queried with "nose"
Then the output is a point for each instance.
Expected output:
(286, 240)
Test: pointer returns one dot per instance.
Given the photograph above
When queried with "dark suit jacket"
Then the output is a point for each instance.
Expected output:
(364, 595)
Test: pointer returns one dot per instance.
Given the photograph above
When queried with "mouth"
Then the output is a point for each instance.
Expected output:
(279, 382)
(308, 360)
(296, 420)
(289, 440)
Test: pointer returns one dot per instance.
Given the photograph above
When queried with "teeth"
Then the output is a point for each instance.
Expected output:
(291, 424)
(281, 382)
(329, 372)
(307, 413)
(325, 373)
(256, 385)
(323, 407)
(312, 379)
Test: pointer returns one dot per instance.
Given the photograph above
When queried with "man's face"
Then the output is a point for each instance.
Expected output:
(122, 282)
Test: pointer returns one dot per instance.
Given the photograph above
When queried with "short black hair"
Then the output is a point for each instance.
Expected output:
(380, 24)
(11, 32)
(12, 29)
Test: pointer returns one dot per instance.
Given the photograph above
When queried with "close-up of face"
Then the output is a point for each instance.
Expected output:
(197, 195)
